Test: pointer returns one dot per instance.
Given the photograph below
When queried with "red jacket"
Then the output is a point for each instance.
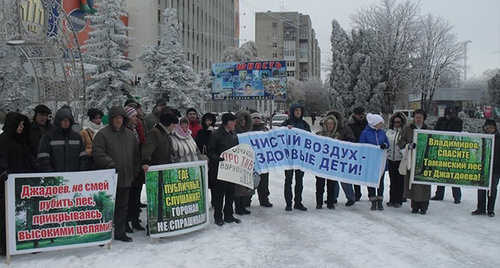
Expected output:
(195, 126)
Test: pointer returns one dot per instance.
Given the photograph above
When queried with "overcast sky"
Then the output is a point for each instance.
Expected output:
(474, 20)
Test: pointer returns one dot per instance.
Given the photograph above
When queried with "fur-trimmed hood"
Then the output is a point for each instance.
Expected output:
(400, 115)
(338, 115)
(248, 126)
(325, 132)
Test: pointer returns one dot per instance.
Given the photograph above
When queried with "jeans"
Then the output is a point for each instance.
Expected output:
(299, 175)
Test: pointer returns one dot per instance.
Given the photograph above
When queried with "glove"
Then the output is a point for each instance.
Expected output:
(413, 145)
(383, 146)
(116, 170)
(4, 176)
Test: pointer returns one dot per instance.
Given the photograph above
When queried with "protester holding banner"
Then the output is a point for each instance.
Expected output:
(184, 147)
(419, 194)
(449, 122)
(115, 146)
(157, 149)
(344, 133)
(62, 149)
(242, 194)
(394, 156)
(374, 134)
(295, 121)
(357, 123)
(15, 157)
(329, 130)
(222, 192)
(263, 188)
(490, 127)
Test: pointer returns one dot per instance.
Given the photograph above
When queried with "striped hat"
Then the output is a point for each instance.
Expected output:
(131, 112)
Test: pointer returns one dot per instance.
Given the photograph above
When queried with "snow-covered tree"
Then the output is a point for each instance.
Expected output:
(438, 51)
(340, 75)
(170, 75)
(316, 96)
(14, 82)
(247, 52)
(106, 47)
(494, 88)
(396, 26)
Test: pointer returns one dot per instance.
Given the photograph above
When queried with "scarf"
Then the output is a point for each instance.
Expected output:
(95, 127)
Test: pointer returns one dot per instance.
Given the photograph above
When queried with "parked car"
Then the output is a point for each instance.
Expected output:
(278, 120)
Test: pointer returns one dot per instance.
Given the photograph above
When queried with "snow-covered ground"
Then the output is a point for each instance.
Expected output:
(448, 236)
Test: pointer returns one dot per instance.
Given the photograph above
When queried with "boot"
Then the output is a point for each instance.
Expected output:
(374, 203)
(379, 203)
(128, 229)
(136, 225)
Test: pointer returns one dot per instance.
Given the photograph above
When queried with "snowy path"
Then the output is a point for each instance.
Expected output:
(448, 236)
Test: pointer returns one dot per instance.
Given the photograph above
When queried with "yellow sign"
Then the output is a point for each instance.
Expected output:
(32, 16)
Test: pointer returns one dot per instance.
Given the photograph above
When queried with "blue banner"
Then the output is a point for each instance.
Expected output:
(283, 148)
(252, 80)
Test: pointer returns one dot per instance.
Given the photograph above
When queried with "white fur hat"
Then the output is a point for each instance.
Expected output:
(374, 119)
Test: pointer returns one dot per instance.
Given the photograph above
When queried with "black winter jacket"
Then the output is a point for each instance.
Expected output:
(454, 124)
(15, 156)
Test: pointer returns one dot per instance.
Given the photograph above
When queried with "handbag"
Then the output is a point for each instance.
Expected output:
(404, 162)
(256, 180)
(204, 155)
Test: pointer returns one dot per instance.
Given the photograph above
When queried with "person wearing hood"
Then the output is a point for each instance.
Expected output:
(357, 123)
(330, 124)
(344, 133)
(15, 157)
(490, 127)
(184, 147)
(62, 149)
(194, 122)
(75, 126)
(394, 157)
(88, 134)
(242, 194)
(419, 194)
(115, 146)
(295, 120)
(449, 122)
(374, 134)
(263, 188)
(203, 136)
(39, 126)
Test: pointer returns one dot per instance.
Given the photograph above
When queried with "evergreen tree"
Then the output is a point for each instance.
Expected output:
(494, 88)
(107, 48)
(170, 75)
(14, 82)
(340, 76)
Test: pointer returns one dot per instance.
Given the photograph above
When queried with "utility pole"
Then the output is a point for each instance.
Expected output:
(465, 59)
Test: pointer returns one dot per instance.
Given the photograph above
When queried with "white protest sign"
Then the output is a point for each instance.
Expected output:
(237, 166)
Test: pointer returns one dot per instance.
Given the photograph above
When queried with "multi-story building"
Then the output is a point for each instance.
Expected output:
(289, 36)
(208, 27)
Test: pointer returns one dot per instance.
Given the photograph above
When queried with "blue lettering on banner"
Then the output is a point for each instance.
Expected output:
(283, 148)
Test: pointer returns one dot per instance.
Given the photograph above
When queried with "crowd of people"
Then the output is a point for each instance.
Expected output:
(131, 142)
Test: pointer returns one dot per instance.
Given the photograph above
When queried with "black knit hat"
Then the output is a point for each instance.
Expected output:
(167, 119)
(42, 109)
(92, 113)
(449, 111)
(358, 110)
(191, 110)
(490, 122)
(228, 117)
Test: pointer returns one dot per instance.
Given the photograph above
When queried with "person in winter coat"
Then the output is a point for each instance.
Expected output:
(15, 157)
(184, 147)
(358, 123)
(62, 149)
(95, 117)
(222, 192)
(203, 136)
(394, 156)
(157, 150)
(419, 194)
(374, 134)
(329, 130)
(39, 126)
(449, 122)
(115, 146)
(490, 127)
(153, 118)
(242, 195)
(75, 127)
(344, 133)
(295, 120)
(194, 122)
(263, 188)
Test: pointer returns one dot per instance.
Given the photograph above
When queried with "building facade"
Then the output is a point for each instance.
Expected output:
(289, 36)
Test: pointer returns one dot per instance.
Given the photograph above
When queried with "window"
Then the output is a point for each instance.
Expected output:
(275, 55)
(290, 64)
(275, 44)
(290, 74)
(275, 24)
(289, 53)
(275, 35)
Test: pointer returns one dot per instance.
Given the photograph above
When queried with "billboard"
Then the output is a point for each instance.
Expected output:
(253, 80)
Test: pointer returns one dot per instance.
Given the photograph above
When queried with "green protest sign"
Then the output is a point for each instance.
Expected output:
(451, 158)
(177, 201)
